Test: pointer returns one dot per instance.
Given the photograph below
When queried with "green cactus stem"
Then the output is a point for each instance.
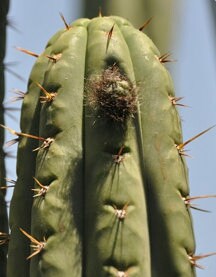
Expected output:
(104, 194)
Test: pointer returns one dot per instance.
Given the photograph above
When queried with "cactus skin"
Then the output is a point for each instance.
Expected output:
(114, 204)
(4, 7)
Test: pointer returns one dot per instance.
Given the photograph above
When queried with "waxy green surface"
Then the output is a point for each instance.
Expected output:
(78, 215)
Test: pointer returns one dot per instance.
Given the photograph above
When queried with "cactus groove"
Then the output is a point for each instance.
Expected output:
(103, 194)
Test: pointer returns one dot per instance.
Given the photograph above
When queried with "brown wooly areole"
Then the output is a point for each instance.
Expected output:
(113, 196)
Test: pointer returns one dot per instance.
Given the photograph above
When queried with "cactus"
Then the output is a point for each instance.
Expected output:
(102, 187)
(4, 6)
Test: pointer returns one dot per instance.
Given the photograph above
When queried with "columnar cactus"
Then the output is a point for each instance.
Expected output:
(4, 6)
(102, 186)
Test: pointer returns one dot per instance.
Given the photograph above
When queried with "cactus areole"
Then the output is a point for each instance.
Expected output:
(101, 191)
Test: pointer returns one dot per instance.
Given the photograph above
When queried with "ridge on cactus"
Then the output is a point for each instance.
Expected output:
(107, 191)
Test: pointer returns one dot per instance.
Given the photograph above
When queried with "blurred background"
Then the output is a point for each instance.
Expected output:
(187, 30)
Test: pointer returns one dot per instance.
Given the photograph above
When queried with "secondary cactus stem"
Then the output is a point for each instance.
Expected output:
(40, 191)
(187, 200)
(146, 23)
(36, 245)
(53, 58)
(110, 33)
(180, 147)
(46, 141)
(194, 258)
(49, 96)
(119, 157)
(4, 238)
(68, 27)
